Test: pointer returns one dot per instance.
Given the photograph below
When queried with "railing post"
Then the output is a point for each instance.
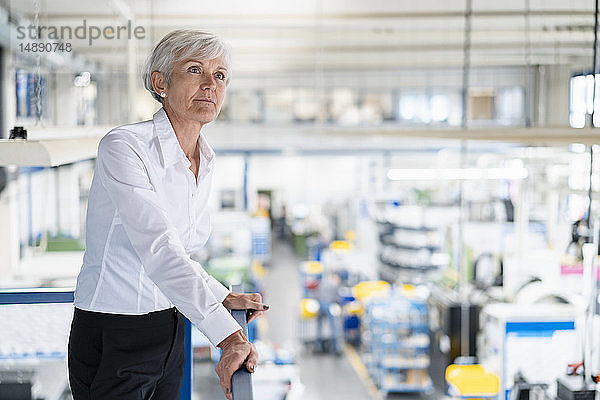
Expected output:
(241, 381)
(186, 387)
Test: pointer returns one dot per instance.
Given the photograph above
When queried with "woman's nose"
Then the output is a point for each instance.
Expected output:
(209, 83)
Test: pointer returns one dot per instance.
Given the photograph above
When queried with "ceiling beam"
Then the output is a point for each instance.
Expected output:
(190, 14)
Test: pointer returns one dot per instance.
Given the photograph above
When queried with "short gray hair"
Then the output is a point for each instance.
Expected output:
(179, 45)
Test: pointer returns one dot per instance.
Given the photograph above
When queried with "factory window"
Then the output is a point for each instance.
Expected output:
(431, 107)
(307, 106)
(279, 105)
(414, 108)
(581, 97)
(31, 93)
(440, 108)
(343, 106)
(243, 106)
(509, 105)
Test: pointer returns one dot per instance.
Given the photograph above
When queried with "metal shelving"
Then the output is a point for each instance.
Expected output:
(396, 343)
(408, 247)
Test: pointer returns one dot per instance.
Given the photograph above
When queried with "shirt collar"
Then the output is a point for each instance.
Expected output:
(171, 151)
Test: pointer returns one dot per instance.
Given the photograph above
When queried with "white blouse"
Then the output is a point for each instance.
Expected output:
(146, 214)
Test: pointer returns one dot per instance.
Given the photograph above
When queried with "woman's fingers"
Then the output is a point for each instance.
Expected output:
(252, 360)
(256, 306)
(224, 379)
(234, 354)
(246, 301)
(226, 386)
(232, 358)
(254, 297)
(253, 301)
(251, 315)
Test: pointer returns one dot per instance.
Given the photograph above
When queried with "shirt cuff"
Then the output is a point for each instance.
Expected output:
(219, 291)
(218, 325)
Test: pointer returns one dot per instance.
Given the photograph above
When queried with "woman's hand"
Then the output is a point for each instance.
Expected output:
(252, 302)
(235, 351)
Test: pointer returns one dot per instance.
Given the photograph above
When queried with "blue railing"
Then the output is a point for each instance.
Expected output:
(54, 296)
(241, 380)
(36, 296)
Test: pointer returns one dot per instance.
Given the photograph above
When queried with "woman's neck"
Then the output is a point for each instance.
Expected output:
(187, 132)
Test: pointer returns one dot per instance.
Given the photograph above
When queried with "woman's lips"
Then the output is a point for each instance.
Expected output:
(206, 100)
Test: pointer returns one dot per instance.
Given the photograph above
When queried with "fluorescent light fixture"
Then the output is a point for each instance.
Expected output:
(432, 174)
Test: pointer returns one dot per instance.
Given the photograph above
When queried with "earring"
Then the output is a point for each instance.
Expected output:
(162, 94)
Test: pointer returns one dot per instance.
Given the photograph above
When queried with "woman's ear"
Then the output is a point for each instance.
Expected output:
(159, 83)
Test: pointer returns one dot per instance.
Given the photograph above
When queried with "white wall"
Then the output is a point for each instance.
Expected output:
(310, 179)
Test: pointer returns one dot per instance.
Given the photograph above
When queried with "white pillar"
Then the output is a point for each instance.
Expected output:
(9, 231)
(9, 212)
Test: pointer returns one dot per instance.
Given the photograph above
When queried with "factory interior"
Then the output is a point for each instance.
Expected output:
(412, 186)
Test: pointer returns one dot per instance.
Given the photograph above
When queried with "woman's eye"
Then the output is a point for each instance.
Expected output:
(220, 76)
(194, 70)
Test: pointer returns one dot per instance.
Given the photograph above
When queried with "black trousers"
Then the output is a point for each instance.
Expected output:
(137, 357)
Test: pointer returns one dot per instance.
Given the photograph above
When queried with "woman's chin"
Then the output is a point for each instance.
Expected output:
(202, 116)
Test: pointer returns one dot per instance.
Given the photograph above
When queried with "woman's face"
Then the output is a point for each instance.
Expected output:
(197, 89)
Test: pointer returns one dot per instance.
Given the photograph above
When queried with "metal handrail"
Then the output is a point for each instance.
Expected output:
(56, 295)
(36, 296)
(241, 381)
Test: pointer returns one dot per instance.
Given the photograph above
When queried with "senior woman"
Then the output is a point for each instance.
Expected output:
(146, 215)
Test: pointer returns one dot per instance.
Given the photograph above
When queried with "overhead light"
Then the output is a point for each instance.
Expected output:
(431, 174)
